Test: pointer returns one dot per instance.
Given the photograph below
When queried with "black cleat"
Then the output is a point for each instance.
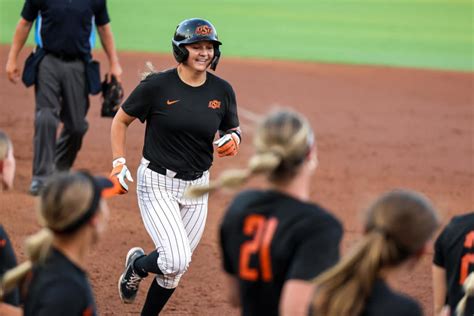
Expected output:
(35, 187)
(129, 280)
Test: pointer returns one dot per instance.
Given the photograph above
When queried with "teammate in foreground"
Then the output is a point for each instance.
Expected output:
(7, 162)
(9, 301)
(398, 228)
(74, 216)
(7, 255)
(183, 109)
(453, 261)
(275, 241)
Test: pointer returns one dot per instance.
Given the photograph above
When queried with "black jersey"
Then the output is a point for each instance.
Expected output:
(384, 301)
(454, 251)
(181, 120)
(7, 262)
(268, 238)
(58, 287)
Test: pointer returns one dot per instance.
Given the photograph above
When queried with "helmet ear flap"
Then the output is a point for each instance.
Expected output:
(215, 59)
(180, 53)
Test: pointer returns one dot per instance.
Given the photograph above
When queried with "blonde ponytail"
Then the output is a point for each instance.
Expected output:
(398, 225)
(65, 198)
(282, 142)
(37, 249)
(350, 282)
(150, 69)
(469, 292)
(233, 179)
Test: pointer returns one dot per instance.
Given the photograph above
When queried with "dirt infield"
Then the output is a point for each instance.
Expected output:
(377, 128)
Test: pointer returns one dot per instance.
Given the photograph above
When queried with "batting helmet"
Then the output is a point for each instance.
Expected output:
(192, 31)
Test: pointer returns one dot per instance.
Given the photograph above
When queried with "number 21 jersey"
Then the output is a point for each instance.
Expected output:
(267, 238)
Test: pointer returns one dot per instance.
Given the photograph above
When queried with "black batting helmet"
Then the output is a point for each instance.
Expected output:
(192, 31)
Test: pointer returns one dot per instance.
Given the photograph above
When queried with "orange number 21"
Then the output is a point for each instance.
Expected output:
(262, 230)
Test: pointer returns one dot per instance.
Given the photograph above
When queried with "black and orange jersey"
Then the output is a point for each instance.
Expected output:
(181, 120)
(7, 262)
(384, 301)
(267, 238)
(58, 287)
(454, 251)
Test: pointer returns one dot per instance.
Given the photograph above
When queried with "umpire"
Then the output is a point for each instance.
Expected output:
(63, 73)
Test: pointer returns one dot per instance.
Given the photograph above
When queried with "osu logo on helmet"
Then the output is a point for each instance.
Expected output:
(203, 30)
(215, 104)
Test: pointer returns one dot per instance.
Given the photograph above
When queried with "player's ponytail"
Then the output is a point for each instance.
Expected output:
(282, 142)
(398, 226)
(64, 200)
(468, 287)
(150, 70)
(37, 248)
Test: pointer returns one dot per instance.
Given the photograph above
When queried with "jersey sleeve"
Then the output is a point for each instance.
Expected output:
(439, 248)
(230, 119)
(30, 10)
(62, 298)
(101, 15)
(317, 250)
(139, 102)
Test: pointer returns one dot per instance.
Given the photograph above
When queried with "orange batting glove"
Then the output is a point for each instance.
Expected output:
(119, 174)
(228, 145)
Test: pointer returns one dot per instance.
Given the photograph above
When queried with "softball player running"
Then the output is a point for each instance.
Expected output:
(453, 261)
(398, 228)
(275, 241)
(183, 109)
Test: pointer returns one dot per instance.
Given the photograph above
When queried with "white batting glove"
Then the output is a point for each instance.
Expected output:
(121, 173)
(228, 145)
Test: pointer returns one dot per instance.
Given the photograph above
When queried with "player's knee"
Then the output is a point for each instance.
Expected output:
(176, 265)
(77, 130)
(46, 118)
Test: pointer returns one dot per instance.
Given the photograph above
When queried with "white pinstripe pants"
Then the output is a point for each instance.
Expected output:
(175, 224)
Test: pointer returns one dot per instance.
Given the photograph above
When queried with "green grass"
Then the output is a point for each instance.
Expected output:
(416, 33)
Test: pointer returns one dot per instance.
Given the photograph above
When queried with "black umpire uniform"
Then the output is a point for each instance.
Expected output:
(64, 33)
(454, 252)
(267, 238)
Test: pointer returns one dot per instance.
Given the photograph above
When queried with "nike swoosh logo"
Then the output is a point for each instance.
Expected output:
(169, 102)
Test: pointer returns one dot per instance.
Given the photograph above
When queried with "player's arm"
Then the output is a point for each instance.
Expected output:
(233, 289)
(439, 272)
(108, 43)
(22, 30)
(10, 310)
(118, 132)
(296, 297)
(439, 288)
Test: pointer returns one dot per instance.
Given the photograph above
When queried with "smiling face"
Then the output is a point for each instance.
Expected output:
(200, 55)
